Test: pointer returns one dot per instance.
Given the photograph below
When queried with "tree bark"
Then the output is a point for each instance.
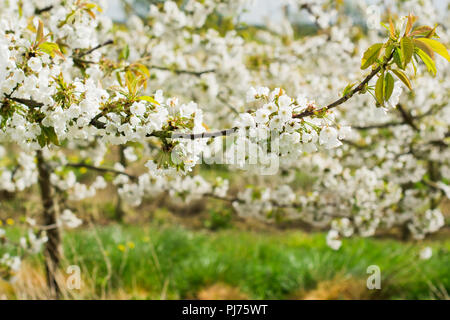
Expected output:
(52, 251)
(119, 210)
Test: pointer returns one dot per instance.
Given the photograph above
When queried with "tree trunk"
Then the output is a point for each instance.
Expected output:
(119, 210)
(52, 251)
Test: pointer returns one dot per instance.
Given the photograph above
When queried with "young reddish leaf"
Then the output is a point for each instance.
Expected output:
(424, 46)
(409, 24)
(420, 31)
(436, 46)
(40, 32)
(391, 29)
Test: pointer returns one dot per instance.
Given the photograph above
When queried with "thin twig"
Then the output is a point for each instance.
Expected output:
(181, 71)
(101, 45)
(100, 169)
(45, 9)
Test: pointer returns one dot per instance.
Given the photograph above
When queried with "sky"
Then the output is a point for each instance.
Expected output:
(255, 15)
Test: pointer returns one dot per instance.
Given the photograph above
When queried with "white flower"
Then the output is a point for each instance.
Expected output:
(333, 240)
(276, 123)
(344, 132)
(138, 109)
(262, 115)
(271, 107)
(2, 232)
(69, 220)
(395, 97)
(284, 101)
(35, 64)
(302, 101)
(426, 253)
(285, 113)
(246, 120)
(262, 91)
(129, 154)
(251, 94)
(329, 138)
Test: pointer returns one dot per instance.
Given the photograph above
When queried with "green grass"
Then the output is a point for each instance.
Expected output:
(262, 265)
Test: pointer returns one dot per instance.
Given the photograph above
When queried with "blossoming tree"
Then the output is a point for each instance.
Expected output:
(74, 85)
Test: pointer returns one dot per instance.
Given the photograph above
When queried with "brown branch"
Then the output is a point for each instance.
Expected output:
(214, 134)
(100, 169)
(430, 112)
(181, 71)
(303, 114)
(101, 45)
(343, 99)
(45, 9)
(378, 125)
(407, 117)
(27, 102)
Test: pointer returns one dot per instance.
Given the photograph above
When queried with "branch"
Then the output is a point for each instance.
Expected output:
(101, 45)
(343, 99)
(45, 9)
(180, 71)
(301, 115)
(307, 7)
(27, 102)
(378, 125)
(430, 112)
(100, 169)
(214, 134)
(225, 102)
(407, 117)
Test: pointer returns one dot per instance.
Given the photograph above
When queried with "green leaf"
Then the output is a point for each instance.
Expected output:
(125, 53)
(42, 140)
(431, 66)
(50, 48)
(407, 47)
(348, 88)
(432, 33)
(143, 70)
(398, 58)
(371, 55)
(379, 89)
(388, 86)
(421, 31)
(424, 46)
(403, 78)
(149, 99)
(93, 6)
(40, 32)
(51, 135)
(437, 47)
